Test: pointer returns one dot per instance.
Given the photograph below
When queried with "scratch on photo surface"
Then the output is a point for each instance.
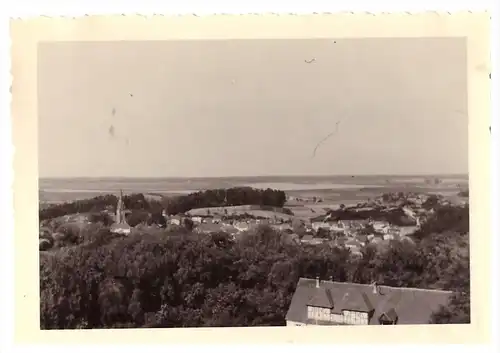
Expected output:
(326, 138)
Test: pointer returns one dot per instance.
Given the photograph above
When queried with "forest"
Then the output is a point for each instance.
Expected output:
(225, 197)
(173, 205)
(176, 278)
(394, 216)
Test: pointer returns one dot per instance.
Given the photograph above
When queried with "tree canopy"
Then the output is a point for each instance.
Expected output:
(176, 278)
(173, 205)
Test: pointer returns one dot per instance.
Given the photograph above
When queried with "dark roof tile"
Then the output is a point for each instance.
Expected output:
(409, 305)
(321, 297)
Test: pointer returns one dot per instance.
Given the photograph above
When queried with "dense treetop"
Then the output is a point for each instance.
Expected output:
(175, 278)
(173, 205)
(225, 197)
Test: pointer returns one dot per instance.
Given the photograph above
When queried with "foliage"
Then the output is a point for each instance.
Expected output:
(299, 227)
(101, 217)
(175, 278)
(457, 312)
(225, 197)
(464, 193)
(445, 218)
(95, 204)
(431, 202)
(394, 216)
(268, 199)
(98, 204)
(138, 216)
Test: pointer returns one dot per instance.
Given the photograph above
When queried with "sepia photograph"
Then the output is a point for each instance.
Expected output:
(305, 179)
(253, 183)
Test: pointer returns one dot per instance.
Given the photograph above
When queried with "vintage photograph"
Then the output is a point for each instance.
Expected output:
(253, 182)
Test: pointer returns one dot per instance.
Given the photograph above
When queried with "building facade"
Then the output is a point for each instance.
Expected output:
(318, 302)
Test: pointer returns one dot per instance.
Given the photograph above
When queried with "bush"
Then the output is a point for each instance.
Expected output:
(95, 204)
(445, 218)
(102, 218)
(98, 204)
(464, 193)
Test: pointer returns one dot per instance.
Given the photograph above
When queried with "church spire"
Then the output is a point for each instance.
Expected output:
(119, 209)
(120, 226)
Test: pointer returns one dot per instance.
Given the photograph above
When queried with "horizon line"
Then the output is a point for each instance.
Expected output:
(259, 176)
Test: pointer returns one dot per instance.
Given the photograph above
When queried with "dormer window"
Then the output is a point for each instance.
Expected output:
(389, 317)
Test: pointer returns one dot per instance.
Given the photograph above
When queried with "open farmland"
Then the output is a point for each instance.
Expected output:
(240, 210)
(333, 190)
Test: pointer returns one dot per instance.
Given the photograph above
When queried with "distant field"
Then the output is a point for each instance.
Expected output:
(333, 189)
(310, 186)
(238, 210)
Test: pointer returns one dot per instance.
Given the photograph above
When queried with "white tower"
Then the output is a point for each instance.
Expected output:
(120, 226)
(119, 209)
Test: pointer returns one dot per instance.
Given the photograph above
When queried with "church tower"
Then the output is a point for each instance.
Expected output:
(120, 226)
(120, 217)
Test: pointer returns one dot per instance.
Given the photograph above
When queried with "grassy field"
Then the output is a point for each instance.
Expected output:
(239, 210)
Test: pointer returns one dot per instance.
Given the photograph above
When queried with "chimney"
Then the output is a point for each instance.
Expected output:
(375, 288)
(317, 282)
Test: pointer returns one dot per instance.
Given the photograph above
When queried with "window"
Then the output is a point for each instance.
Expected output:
(355, 318)
(317, 313)
(389, 318)
(384, 320)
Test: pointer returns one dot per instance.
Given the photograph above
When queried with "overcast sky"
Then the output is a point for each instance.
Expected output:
(252, 107)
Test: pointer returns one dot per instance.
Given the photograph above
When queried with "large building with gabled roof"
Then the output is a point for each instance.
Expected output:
(318, 302)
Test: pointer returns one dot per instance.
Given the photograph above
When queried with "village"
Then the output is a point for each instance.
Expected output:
(352, 234)
(304, 221)
(349, 232)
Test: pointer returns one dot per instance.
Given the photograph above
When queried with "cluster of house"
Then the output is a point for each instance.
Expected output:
(352, 234)
(344, 233)
(355, 234)
(211, 224)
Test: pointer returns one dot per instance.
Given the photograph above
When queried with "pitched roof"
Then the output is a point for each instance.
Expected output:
(307, 237)
(321, 297)
(355, 300)
(122, 225)
(390, 315)
(408, 305)
(208, 228)
(229, 229)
